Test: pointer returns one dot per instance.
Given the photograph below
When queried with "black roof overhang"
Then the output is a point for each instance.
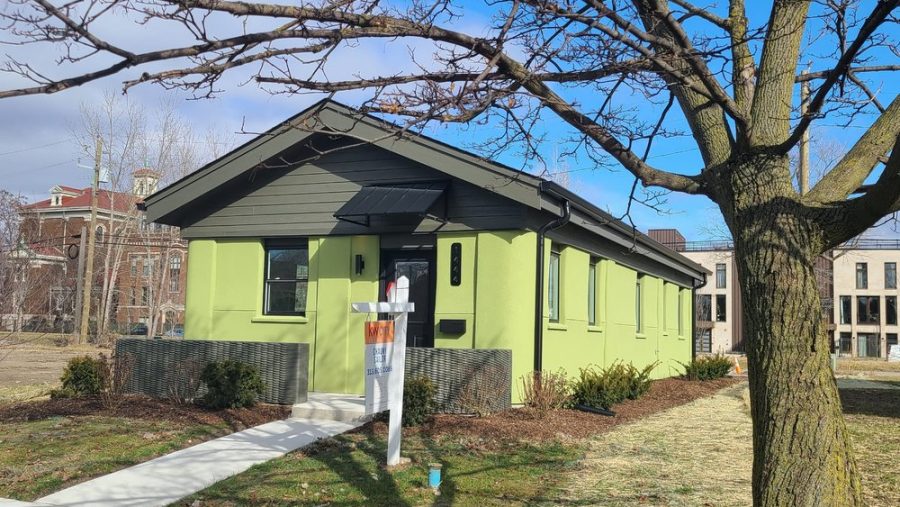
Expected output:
(410, 199)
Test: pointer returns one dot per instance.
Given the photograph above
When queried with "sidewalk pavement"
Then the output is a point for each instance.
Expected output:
(174, 476)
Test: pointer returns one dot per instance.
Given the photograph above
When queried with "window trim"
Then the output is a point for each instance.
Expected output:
(639, 304)
(593, 274)
(554, 316)
(283, 244)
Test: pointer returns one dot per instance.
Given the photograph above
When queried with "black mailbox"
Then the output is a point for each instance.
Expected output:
(452, 326)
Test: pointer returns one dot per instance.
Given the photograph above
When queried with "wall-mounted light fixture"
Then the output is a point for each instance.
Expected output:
(360, 264)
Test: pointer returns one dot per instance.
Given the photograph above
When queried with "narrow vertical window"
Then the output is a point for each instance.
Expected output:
(145, 296)
(592, 293)
(134, 262)
(721, 308)
(553, 287)
(638, 305)
(286, 278)
(681, 312)
(704, 308)
(721, 281)
(846, 308)
(890, 275)
(175, 273)
(862, 275)
(890, 310)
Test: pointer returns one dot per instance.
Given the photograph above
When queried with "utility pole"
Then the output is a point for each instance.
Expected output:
(89, 261)
(80, 282)
(804, 141)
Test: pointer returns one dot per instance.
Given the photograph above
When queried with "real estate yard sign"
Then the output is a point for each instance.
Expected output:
(386, 359)
(379, 361)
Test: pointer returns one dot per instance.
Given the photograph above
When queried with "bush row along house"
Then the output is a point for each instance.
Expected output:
(333, 205)
(139, 267)
(857, 286)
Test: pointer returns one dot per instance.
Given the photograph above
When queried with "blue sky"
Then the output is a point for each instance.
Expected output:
(37, 150)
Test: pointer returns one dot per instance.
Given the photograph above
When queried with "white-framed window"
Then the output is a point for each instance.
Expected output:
(592, 292)
(175, 272)
(553, 287)
(639, 304)
(721, 276)
(681, 293)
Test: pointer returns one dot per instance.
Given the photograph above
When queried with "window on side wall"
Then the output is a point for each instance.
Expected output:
(286, 277)
(721, 281)
(890, 275)
(553, 287)
(867, 310)
(592, 293)
(681, 312)
(846, 308)
(862, 275)
(704, 308)
(721, 308)
(890, 310)
(638, 304)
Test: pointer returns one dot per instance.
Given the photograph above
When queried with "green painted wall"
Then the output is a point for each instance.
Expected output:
(572, 344)
(495, 298)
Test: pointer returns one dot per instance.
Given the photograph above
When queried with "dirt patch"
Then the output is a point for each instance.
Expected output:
(24, 364)
(138, 407)
(523, 425)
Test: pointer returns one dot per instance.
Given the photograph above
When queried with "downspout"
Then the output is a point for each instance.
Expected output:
(694, 315)
(556, 223)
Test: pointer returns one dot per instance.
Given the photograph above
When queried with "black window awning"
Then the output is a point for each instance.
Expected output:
(418, 199)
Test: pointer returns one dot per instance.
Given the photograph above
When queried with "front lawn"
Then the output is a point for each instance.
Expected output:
(511, 458)
(48, 445)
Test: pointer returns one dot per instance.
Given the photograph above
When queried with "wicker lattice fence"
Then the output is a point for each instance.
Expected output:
(161, 368)
(467, 380)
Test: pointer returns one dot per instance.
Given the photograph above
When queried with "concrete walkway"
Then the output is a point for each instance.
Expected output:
(174, 476)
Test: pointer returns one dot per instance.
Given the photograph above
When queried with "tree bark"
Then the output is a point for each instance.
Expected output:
(802, 454)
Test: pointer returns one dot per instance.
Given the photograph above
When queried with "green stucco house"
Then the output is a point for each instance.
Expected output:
(287, 230)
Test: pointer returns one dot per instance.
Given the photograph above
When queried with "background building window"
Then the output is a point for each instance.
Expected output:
(704, 341)
(553, 287)
(890, 275)
(720, 276)
(98, 234)
(704, 308)
(134, 261)
(145, 296)
(148, 271)
(638, 305)
(891, 341)
(592, 293)
(175, 273)
(846, 345)
(867, 345)
(890, 310)
(680, 312)
(846, 308)
(867, 310)
(862, 275)
(721, 308)
(286, 277)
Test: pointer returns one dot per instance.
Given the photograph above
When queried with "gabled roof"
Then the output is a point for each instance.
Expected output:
(331, 117)
(72, 198)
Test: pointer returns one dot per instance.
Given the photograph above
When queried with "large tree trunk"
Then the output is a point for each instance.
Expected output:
(802, 454)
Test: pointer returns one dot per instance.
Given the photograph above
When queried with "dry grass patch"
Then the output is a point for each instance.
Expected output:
(695, 454)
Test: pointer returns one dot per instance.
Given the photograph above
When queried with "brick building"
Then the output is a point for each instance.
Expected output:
(139, 268)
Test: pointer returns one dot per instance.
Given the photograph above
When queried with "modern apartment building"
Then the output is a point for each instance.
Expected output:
(865, 288)
(718, 312)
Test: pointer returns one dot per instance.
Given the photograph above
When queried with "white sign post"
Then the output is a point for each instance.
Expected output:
(385, 362)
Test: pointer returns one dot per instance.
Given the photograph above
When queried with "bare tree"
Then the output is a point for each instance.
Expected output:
(576, 63)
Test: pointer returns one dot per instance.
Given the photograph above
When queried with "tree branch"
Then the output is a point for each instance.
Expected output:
(848, 174)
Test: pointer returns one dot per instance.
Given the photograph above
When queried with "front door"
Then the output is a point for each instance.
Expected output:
(418, 266)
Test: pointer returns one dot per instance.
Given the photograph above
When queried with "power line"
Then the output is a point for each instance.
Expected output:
(32, 148)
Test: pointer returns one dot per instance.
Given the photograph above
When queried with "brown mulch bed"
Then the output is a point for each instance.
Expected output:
(139, 407)
(524, 425)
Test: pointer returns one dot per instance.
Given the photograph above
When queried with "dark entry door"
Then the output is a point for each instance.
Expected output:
(418, 266)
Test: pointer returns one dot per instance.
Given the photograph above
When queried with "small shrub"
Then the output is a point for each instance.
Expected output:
(231, 384)
(183, 380)
(117, 371)
(708, 367)
(485, 392)
(603, 388)
(418, 400)
(84, 376)
(545, 390)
